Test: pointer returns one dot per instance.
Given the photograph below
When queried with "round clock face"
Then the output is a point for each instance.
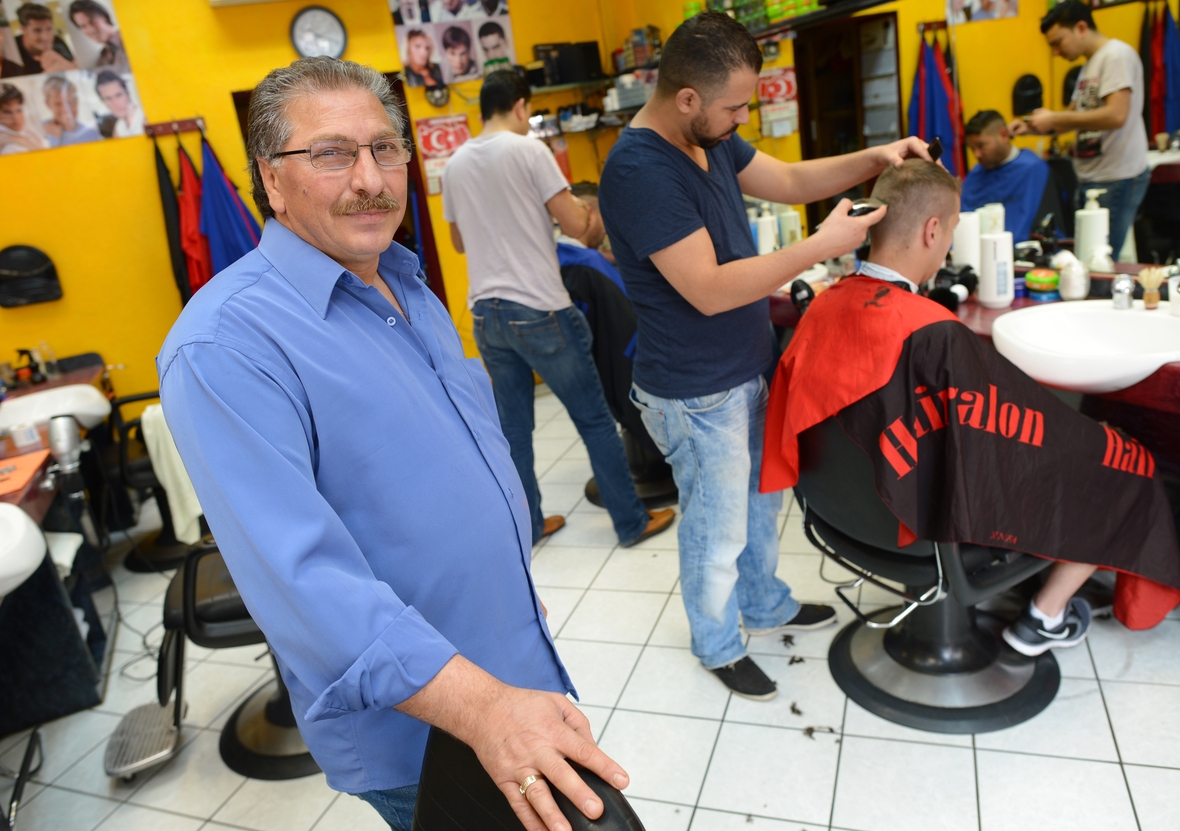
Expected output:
(438, 96)
(316, 31)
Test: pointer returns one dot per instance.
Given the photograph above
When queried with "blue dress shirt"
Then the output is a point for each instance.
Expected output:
(353, 471)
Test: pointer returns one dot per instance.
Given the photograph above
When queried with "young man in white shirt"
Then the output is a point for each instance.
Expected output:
(1111, 148)
(499, 190)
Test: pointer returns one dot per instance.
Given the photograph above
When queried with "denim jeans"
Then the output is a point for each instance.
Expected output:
(396, 806)
(1122, 199)
(728, 530)
(515, 340)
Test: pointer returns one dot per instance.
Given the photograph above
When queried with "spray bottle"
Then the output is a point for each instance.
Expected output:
(1091, 227)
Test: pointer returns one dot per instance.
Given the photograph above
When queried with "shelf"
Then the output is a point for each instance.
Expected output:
(597, 83)
(835, 11)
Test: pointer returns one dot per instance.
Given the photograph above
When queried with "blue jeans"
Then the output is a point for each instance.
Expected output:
(1122, 199)
(515, 340)
(396, 806)
(728, 530)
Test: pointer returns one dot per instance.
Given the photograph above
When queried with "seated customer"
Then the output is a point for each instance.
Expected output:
(1006, 174)
(966, 447)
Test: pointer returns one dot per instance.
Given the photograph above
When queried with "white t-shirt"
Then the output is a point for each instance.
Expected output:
(495, 188)
(1110, 155)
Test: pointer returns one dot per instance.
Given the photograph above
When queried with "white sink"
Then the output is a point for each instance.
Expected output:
(82, 401)
(1088, 346)
(22, 548)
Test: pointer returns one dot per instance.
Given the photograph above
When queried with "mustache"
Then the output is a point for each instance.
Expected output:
(363, 204)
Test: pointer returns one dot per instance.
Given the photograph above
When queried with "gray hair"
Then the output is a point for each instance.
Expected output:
(56, 83)
(269, 127)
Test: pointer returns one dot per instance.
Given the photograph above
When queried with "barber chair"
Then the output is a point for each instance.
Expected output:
(455, 793)
(936, 662)
(135, 471)
(260, 740)
(651, 474)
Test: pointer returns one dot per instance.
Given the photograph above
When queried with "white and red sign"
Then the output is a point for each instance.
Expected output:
(777, 84)
(438, 139)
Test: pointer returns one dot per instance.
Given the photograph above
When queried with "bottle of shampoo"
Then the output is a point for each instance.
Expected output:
(1091, 227)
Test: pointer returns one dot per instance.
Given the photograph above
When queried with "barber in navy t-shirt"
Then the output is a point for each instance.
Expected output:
(671, 198)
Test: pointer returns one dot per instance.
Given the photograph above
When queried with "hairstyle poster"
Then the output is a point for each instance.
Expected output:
(971, 11)
(450, 41)
(64, 76)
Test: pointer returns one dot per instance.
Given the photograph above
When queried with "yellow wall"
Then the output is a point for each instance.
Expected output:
(95, 208)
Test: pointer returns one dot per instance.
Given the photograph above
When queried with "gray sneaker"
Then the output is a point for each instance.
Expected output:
(1029, 635)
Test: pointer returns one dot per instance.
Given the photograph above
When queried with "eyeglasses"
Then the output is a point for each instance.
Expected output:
(339, 155)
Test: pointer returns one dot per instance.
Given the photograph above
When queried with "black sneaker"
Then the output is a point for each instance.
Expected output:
(1028, 634)
(809, 616)
(747, 679)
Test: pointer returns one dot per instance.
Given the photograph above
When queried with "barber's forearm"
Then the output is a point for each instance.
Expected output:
(1103, 118)
(818, 179)
(578, 225)
(742, 282)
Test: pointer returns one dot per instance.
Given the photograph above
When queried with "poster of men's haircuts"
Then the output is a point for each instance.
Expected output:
(971, 11)
(64, 76)
(449, 41)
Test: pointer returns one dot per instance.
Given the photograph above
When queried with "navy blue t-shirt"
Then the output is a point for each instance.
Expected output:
(653, 195)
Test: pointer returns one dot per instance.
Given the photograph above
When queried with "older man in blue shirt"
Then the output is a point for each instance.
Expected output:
(350, 463)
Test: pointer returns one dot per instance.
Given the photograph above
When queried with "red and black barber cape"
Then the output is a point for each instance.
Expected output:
(967, 448)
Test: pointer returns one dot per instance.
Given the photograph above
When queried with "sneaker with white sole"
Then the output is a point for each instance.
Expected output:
(810, 616)
(745, 678)
(1029, 636)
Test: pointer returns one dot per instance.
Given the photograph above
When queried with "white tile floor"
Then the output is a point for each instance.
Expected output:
(1104, 756)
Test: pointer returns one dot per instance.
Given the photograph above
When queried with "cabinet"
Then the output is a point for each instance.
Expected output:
(849, 91)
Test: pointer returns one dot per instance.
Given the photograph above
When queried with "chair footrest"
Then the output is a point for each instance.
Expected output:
(144, 738)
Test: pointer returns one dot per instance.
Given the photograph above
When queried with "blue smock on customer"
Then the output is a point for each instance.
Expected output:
(350, 463)
(1019, 183)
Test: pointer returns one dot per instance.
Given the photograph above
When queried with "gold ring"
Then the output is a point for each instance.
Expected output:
(524, 786)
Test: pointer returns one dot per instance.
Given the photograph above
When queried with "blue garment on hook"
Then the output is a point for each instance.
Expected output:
(230, 228)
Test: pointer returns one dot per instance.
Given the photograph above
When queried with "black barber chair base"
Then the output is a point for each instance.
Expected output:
(1007, 690)
(156, 555)
(258, 741)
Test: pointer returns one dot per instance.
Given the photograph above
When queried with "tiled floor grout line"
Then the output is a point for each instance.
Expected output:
(708, 765)
(839, 756)
(1113, 736)
(978, 797)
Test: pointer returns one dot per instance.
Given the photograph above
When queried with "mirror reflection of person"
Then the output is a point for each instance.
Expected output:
(114, 93)
(456, 44)
(41, 50)
(420, 70)
(61, 97)
(493, 41)
(442, 11)
(95, 22)
(16, 136)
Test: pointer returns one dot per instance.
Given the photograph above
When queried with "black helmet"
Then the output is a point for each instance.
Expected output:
(1027, 95)
(27, 276)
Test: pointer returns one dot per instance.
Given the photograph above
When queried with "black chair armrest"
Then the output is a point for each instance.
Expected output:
(455, 793)
(1004, 572)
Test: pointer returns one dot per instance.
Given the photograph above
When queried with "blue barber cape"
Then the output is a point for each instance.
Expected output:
(592, 258)
(1019, 185)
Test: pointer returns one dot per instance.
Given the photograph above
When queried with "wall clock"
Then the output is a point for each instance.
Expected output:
(317, 31)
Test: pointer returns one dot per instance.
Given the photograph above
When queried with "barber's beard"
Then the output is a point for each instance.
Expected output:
(703, 139)
(362, 204)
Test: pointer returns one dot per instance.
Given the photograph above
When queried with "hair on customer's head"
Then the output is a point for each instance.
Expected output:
(269, 127)
(981, 121)
(500, 92)
(702, 53)
(914, 192)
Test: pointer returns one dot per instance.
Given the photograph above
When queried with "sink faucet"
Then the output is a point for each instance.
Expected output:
(1122, 287)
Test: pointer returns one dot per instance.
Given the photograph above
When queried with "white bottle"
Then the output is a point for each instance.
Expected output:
(996, 287)
(966, 246)
(1091, 227)
(991, 218)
